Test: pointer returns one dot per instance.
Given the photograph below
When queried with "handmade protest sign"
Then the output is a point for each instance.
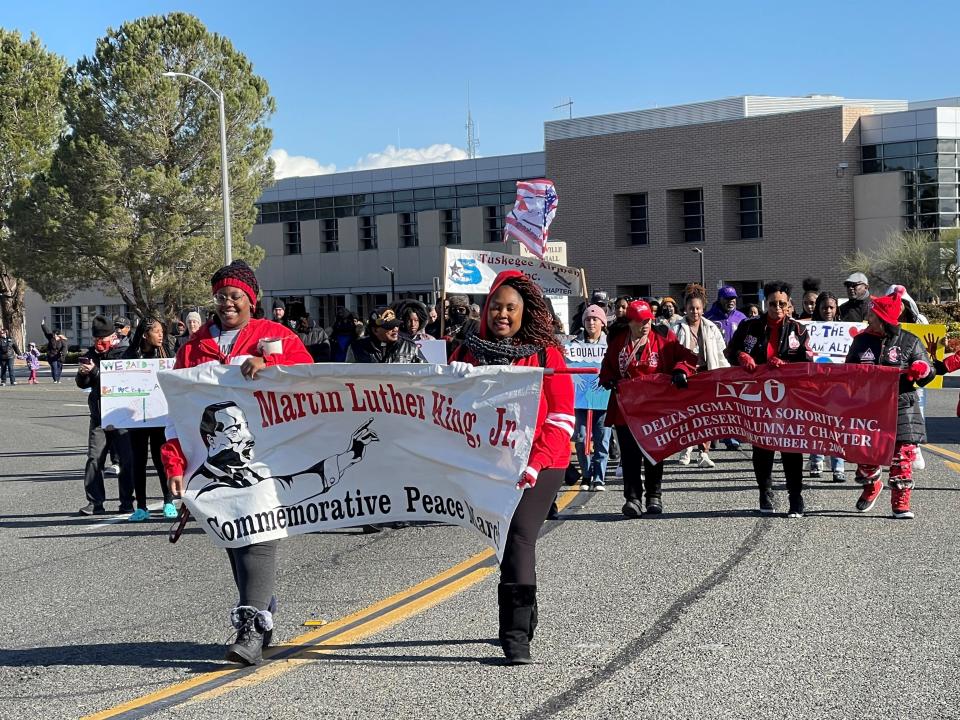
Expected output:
(306, 448)
(588, 394)
(473, 271)
(130, 396)
(830, 341)
(847, 411)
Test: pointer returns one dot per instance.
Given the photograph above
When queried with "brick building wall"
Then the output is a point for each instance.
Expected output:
(808, 215)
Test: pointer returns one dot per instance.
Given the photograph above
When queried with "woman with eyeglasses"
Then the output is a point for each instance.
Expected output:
(233, 338)
(773, 339)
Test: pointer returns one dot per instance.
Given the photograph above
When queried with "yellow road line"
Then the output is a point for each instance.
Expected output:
(936, 449)
(274, 668)
(953, 466)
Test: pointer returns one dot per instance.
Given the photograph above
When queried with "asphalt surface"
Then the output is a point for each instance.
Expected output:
(708, 611)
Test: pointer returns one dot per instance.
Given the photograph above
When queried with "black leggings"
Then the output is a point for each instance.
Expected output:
(632, 460)
(255, 572)
(519, 564)
(142, 439)
(792, 469)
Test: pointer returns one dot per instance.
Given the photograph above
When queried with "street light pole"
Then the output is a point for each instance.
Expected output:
(702, 276)
(224, 174)
(393, 285)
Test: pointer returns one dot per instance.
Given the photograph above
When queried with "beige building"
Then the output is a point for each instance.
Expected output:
(765, 188)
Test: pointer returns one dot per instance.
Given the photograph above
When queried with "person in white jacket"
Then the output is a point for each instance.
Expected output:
(705, 339)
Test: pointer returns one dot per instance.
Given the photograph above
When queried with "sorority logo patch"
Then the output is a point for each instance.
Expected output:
(867, 356)
(653, 360)
(793, 343)
(893, 355)
(749, 343)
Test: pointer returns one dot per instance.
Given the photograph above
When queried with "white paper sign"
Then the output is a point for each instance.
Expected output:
(307, 448)
(129, 394)
(830, 341)
(435, 351)
(473, 271)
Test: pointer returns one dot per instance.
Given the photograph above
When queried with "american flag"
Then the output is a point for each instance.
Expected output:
(532, 214)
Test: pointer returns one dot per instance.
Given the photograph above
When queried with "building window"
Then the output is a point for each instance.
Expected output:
(62, 318)
(407, 222)
(493, 223)
(368, 232)
(692, 214)
(291, 238)
(637, 219)
(450, 227)
(751, 212)
(331, 240)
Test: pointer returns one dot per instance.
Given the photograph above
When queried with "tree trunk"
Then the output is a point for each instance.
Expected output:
(12, 291)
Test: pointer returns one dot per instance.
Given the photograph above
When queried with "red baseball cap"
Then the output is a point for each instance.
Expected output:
(639, 310)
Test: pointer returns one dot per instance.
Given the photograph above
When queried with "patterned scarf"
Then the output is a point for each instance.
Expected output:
(497, 352)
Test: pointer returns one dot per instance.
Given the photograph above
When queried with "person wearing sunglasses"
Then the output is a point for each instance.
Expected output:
(773, 339)
(857, 306)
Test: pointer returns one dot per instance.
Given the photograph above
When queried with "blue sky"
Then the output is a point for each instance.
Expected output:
(352, 78)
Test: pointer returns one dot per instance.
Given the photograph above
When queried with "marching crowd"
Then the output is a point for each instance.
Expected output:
(516, 326)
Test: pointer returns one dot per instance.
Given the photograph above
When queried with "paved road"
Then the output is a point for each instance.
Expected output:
(707, 611)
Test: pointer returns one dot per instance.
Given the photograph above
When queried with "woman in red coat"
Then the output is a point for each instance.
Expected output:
(233, 338)
(636, 348)
(516, 328)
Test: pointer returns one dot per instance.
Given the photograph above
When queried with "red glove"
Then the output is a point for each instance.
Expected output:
(917, 370)
(776, 362)
(746, 361)
(527, 479)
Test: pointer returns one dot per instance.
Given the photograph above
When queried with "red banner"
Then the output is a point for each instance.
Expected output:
(847, 411)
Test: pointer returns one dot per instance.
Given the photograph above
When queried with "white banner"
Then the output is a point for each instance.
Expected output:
(473, 271)
(129, 394)
(306, 448)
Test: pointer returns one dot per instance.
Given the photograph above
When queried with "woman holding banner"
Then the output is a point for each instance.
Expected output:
(885, 343)
(705, 340)
(826, 309)
(773, 339)
(516, 328)
(234, 337)
(638, 348)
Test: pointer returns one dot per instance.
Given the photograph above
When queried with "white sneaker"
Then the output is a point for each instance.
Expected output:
(685, 456)
(705, 461)
(918, 462)
(598, 487)
(111, 470)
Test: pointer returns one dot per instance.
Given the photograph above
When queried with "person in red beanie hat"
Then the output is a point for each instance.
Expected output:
(637, 347)
(885, 343)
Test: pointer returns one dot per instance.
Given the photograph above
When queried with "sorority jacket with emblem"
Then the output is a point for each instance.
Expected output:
(202, 348)
(900, 350)
(753, 336)
(662, 353)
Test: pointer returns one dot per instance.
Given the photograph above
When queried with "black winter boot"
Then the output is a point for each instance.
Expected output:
(251, 625)
(516, 613)
(535, 615)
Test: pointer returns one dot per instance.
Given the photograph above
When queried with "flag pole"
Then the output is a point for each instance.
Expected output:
(443, 293)
(583, 283)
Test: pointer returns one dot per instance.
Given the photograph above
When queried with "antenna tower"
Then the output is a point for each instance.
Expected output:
(473, 142)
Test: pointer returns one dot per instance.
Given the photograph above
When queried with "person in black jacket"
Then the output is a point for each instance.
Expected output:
(106, 346)
(149, 343)
(314, 339)
(9, 352)
(382, 343)
(857, 306)
(56, 350)
(773, 339)
(884, 342)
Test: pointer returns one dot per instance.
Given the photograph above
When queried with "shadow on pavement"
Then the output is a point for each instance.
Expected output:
(191, 656)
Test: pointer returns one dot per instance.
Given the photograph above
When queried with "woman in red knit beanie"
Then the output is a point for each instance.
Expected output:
(885, 343)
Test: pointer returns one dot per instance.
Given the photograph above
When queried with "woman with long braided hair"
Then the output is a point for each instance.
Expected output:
(516, 328)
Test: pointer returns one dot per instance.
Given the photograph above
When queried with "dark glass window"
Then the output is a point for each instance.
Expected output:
(291, 238)
(421, 205)
(466, 190)
(324, 202)
(402, 195)
(383, 208)
(343, 201)
(509, 186)
(444, 203)
(342, 212)
(465, 202)
(288, 216)
(383, 197)
(331, 239)
(444, 191)
(403, 206)
(306, 214)
(493, 223)
(288, 206)
(692, 215)
(368, 233)
(450, 227)
(489, 199)
(270, 217)
(407, 225)
(305, 204)
(872, 166)
(325, 213)
(423, 194)
(488, 187)
(947, 146)
(751, 212)
(270, 207)
(870, 152)
(508, 199)
(899, 163)
(927, 161)
(926, 146)
(637, 219)
(901, 149)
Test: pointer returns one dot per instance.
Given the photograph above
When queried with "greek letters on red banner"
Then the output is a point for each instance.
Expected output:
(847, 411)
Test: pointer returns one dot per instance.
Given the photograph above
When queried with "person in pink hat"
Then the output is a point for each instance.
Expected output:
(885, 343)
(635, 348)
(593, 468)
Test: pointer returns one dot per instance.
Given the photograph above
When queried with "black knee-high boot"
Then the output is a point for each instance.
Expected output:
(517, 615)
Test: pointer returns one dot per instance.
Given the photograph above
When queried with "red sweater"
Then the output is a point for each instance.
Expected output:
(202, 348)
(662, 353)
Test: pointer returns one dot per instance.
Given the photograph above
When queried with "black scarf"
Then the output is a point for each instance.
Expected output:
(497, 352)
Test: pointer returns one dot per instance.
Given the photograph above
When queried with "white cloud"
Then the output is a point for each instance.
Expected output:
(286, 165)
(391, 156)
